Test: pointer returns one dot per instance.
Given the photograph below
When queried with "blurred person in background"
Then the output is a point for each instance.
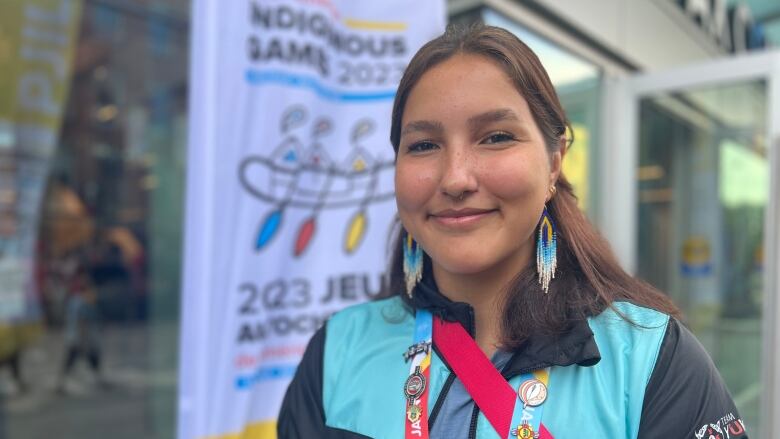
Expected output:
(81, 326)
(113, 282)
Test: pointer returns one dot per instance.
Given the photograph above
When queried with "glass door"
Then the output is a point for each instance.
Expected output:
(692, 198)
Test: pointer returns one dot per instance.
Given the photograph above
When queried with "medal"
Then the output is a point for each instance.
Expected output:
(532, 392)
(415, 385)
(524, 431)
(413, 413)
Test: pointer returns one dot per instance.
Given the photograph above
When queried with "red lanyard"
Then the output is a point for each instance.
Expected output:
(494, 396)
(416, 386)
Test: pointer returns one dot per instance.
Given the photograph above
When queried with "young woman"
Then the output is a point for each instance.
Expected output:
(510, 316)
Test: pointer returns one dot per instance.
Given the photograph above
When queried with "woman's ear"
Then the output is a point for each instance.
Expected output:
(556, 161)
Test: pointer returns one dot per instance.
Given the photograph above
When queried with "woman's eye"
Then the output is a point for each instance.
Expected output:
(499, 138)
(422, 146)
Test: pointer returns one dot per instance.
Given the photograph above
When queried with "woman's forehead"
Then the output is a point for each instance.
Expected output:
(472, 86)
(464, 66)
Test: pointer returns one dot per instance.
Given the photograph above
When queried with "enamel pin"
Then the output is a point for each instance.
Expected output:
(415, 385)
(532, 392)
(524, 431)
(413, 413)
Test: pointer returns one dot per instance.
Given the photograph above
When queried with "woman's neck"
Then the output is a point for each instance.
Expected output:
(485, 293)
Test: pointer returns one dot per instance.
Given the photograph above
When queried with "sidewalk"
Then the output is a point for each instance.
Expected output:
(137, 401)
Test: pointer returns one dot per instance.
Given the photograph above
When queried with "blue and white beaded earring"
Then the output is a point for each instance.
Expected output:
(413, 263)
(546, 250)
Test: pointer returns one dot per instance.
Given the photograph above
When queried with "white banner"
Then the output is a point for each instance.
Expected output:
(290, 189)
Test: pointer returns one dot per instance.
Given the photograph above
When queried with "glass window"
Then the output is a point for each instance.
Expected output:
(92, 154)
(765, 14)
(703, 190)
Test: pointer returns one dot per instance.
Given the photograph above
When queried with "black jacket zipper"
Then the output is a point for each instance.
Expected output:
(440, 400)
(473, 427)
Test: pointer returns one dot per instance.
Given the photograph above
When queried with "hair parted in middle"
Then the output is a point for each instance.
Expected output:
(589, 278)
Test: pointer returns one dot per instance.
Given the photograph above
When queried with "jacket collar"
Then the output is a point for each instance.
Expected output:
(576, 346)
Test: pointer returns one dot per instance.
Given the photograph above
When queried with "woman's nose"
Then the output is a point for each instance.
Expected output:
(458, 177)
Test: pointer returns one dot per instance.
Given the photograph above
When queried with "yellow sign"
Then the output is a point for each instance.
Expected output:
(696, 256)
(696, 250)
(758, 256)
(37, 39)
(575, 164)
(36, 51)
(258, 430)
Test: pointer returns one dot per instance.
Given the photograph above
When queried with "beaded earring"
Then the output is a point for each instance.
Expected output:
(413, 264)
(546, 250)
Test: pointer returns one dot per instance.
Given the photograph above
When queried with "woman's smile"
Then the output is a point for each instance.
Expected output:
(461, 219)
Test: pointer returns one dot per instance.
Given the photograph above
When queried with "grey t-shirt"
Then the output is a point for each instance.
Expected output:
(454, 418)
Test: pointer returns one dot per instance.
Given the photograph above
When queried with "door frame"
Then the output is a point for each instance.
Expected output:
(619, 189)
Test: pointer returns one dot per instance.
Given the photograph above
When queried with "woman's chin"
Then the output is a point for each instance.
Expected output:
(463, 267)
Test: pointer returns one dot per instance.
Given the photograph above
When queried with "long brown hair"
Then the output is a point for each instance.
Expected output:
(589, 278)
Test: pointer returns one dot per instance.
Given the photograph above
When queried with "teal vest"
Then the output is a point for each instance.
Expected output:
(364, 374)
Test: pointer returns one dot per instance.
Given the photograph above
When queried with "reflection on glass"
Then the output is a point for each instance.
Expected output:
(703, 189)
(578, 85)
(562, 67)
(91, 190)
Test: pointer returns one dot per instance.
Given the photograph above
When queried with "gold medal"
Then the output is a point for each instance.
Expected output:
(413, 413)
(524, 431)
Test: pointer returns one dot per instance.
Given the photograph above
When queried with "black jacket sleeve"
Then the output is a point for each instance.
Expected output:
(302, 414)
(686, 396)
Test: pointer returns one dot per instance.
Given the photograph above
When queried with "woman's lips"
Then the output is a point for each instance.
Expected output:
(461, 217)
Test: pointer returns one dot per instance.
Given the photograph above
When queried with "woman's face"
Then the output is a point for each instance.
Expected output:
(472, 173)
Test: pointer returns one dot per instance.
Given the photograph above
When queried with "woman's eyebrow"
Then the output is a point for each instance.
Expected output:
(492, 116)
(428, 126)
(474, 122)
